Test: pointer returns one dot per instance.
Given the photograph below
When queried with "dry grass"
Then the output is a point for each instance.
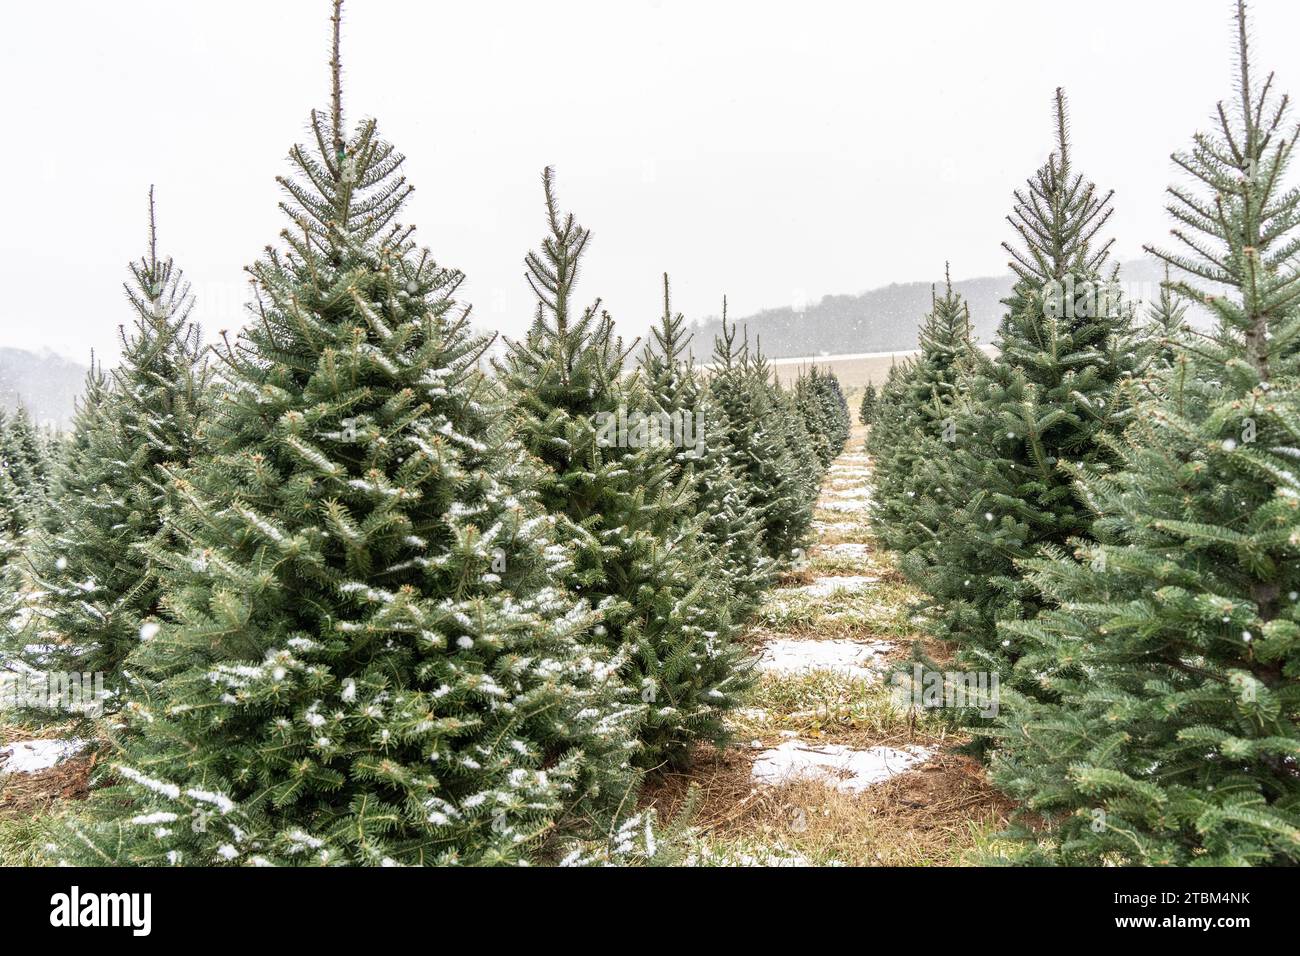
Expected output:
(934, 814)
(28, 801)
(931, 816)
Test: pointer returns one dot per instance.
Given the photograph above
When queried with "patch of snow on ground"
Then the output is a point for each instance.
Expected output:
(847, 550)
(825, 587)
(708, 855)
(833, 526)
(32, 756)
(783, 655)
(845, 504)
(845, 769)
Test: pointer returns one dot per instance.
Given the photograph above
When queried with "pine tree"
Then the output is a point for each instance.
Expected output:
(825, 412)
(1172, 735)
(11, 582)
(1166, 325)
(867, 410)
(365, 659)
(13, 506)
(25, 460)
(110, 504)
(1055, 393)
(924, 395)
(761, 442)
(733, 527)
(640, 554)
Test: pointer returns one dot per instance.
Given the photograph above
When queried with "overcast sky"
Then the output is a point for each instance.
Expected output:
(776, 152)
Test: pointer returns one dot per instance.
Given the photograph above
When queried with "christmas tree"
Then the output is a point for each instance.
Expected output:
(825, 412)
(109, 507)
(1171, 734)
(867, 410)
(733, 527)
(11, 580)
(1166, 325)
(24, 459)
(759, 437)
(365, 657)
(1054, 394)
(924, 397)
(641, 557)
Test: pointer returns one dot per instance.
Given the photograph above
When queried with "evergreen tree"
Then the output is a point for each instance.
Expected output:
(25, 461)
(733, 527)
(1166, 325)
(11, 583)
(109, 506)
(365, 659)
(641, 556)
(825, 413)
(761, 443)
(1172, 734)
(924, 395)
(13, 505)
(1055, 393)
(867, 410)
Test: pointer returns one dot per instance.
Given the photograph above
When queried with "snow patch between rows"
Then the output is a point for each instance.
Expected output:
(845, 769)
(783, 655)
(848, 584)
(845, 504)
(33, 756)
(834, 527)
(847, 550)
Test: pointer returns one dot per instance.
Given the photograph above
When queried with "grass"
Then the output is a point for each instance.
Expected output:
(30, 802)
(940, 813)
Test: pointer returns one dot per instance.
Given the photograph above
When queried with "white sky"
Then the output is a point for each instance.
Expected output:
(772, 151)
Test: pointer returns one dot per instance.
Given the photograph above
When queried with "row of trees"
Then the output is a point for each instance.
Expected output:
(1106, 514)
(361, 598)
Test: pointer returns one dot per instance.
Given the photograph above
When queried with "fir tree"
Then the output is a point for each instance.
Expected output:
(733, 527)
(24, 458)
(640, 554)
(825, 412)
(867, 410)
(365, 658)
(924, 395)
(761, 443)
(109, 506)
(1172, 736)
(1166, 325)
(1055, 393)
(11, 581)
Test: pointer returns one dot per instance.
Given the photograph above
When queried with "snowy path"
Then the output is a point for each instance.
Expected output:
(843, 547)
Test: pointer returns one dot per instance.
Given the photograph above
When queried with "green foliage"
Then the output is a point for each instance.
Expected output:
(365, 657)
(768, 443)
(1055, 394)
(825, 413)
(640, 553)
(733, 526)
(108, 508)
(23, 459)
(919, 426)
(867, 410)
(1173, 650)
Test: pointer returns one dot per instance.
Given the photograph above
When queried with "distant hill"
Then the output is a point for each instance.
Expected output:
(46, 383)
(887, 319)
